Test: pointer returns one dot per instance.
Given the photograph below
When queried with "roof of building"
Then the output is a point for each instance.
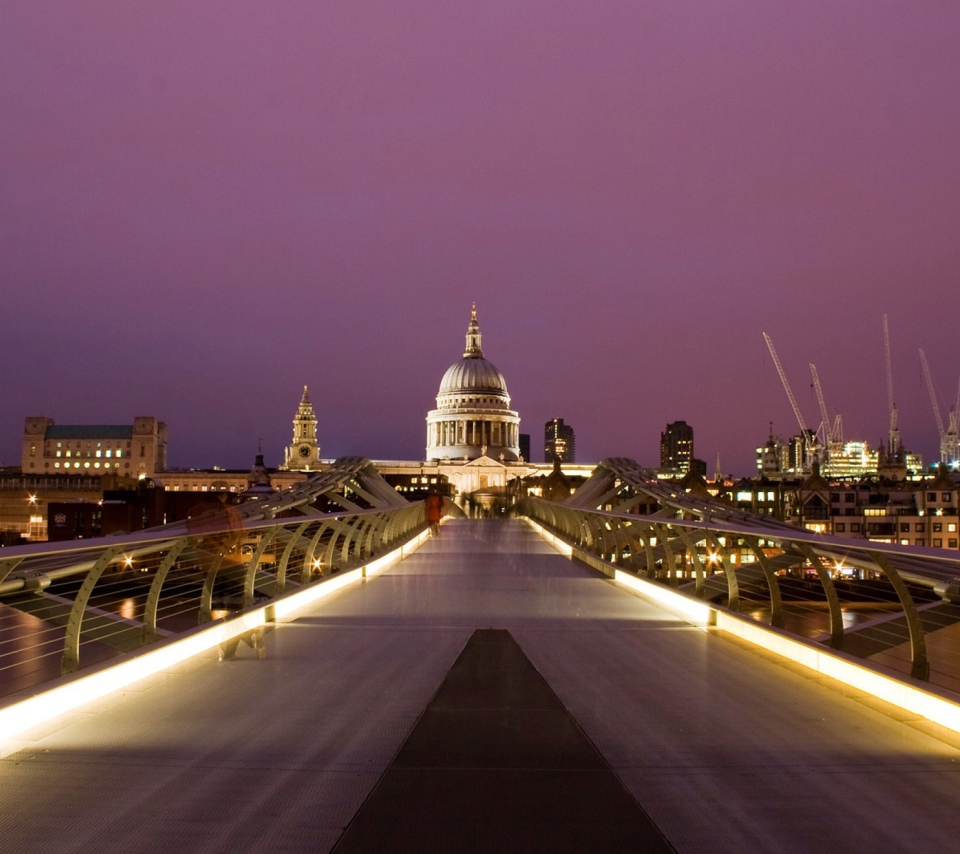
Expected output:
(473, 373)
(89, 431)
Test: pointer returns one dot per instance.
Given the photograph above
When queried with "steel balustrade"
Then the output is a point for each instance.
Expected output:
(179, 575)
(713, 551)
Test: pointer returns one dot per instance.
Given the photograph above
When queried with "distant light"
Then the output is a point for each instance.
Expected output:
(32, 499)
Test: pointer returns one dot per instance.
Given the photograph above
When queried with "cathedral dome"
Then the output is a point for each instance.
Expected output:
(473, 373)
(473, 416)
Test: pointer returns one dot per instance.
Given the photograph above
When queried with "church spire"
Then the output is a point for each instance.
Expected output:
(473, 350)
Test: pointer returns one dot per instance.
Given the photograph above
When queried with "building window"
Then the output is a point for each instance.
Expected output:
(918, 527)
(854, 526)
(952, 544)
(937, 543)
(952, 527)
(849, 498)
(931, 496)
(904, 527)
(937, 527)
(947, 496)
(840, 527)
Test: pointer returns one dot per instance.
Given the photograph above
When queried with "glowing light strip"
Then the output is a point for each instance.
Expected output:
(908, 697)
(689, 609)
(937, 709)
(564, 548)
(17, 719)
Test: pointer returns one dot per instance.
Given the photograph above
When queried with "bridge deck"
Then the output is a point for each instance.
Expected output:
(724, 748)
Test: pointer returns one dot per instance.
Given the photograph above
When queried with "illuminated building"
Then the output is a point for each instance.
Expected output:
(676, 447)
(303, 453)
(130, 450)
(473, 418)
(559, 442)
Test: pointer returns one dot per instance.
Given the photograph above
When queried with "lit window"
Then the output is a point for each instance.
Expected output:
(952, 527)
(109, 452)
(119, 452)
(59, 453)
(99, 453)
(56, 465)
(904, 542)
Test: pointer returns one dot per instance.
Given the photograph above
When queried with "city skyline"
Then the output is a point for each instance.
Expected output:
(202, 213)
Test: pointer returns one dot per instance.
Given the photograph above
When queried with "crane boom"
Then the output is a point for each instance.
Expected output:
(808, 445)
(828, 436)
(894, 432)
(936, 406)
(786, 384)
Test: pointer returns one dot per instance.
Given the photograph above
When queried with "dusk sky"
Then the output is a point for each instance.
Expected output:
(205, 205)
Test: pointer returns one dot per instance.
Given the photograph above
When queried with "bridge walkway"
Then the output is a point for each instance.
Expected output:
(724, 748)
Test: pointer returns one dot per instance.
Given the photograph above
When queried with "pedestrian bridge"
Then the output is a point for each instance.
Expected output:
(488, 691)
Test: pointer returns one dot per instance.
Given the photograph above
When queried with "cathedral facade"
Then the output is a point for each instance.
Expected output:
(473, 418)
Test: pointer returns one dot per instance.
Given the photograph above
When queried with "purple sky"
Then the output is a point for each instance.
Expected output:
(205, 205)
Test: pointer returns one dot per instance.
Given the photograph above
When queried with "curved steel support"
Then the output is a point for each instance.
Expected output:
(285, 557)
(773, 585)
(830, 591)
(206, 595)
(733, 583)
(149, 632)
(71, 641)
(663, 536)
(698, 568)
(307, 567)
(250, 576)
(919, 663)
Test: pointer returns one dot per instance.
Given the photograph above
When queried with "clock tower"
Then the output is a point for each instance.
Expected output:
(303, 454)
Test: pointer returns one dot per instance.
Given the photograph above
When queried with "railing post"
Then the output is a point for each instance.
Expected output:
(71, 641)
(285, 557)
(149, 633)
(919, 663)
(773, 585)
(830, 591)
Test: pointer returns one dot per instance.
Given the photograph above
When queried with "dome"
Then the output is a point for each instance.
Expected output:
(473, 418)
(473, 373)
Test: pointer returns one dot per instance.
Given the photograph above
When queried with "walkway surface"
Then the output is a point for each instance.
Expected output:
(724, 748)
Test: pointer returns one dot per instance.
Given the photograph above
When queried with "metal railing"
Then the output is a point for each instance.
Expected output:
(876, 601)
(70, 604)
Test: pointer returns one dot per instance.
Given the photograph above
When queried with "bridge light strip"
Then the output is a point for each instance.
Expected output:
(18, 719)
(906, 696)
(560, 545)
(698, 613)
(902, 694)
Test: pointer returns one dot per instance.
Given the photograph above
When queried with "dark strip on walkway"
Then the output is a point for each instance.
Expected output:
(497, 764)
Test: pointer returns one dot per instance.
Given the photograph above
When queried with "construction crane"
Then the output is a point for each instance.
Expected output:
(894, 433)
(948, 437)
(808, 436)
(832, 436)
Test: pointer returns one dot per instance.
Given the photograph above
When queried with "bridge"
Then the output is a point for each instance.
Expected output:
(636, 668)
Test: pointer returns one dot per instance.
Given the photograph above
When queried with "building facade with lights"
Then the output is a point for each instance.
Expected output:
(559, 442)
(130, 450)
